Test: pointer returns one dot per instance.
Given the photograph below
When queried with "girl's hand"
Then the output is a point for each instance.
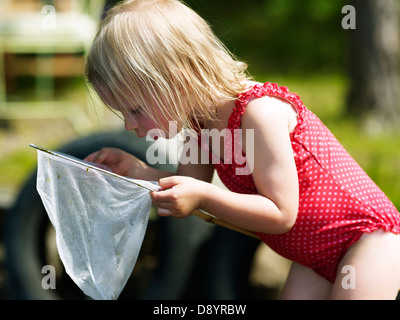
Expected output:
(119, 162)
(179, 196)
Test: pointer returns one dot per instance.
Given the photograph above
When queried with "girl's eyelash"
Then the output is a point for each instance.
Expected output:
(135, 111)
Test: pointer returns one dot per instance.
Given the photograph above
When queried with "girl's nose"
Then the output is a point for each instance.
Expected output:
(131, 124)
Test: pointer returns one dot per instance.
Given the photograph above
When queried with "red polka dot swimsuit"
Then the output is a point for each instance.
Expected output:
(338, 201)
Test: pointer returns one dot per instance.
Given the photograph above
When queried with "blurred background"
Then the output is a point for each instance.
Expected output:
(348, 77)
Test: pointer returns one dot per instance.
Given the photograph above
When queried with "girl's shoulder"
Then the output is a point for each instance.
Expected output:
(267, 110)
(267, 102)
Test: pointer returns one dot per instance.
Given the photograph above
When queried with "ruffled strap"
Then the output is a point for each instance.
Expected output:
(259, 91)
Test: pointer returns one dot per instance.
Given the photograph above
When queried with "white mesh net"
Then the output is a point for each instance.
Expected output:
(100, 220)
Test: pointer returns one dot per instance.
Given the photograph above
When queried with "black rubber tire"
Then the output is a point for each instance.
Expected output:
(175, 242)
(223, 267)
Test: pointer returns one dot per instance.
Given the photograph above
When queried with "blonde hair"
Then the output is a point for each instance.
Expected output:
(162, 51)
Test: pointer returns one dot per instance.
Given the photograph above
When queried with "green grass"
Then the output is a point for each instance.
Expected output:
(378, 154)
(16, 167)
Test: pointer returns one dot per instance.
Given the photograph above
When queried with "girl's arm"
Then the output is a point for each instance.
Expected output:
(274, 208)
(125, 164)
(200, 171)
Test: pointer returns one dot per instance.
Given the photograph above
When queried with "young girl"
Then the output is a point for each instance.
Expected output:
(157, 61)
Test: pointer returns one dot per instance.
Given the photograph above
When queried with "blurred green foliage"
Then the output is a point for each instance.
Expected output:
(285, 36)
(16, 167)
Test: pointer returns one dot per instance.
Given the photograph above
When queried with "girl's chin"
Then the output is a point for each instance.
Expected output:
(170, 133)
(155, 134)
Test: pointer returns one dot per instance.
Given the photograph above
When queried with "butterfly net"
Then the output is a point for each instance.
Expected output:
(100, 220)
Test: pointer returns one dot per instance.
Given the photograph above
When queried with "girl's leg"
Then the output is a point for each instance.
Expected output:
(373, 268)
(304, 284)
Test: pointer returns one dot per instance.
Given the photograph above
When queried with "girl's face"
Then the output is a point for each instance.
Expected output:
(136, 118)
